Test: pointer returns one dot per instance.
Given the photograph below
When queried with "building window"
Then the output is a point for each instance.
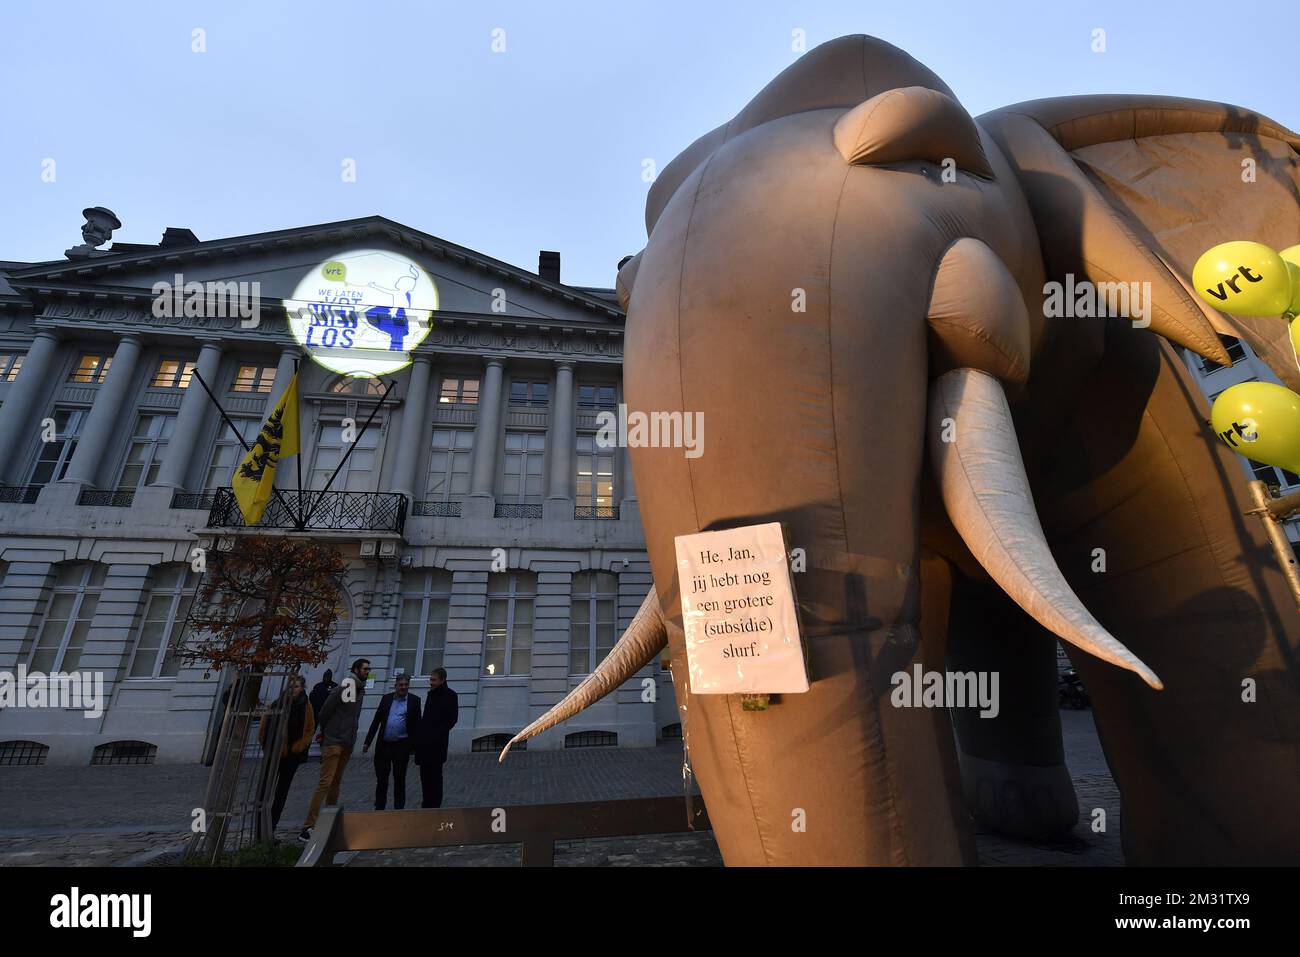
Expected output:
(508, 631)
(228, 452)
(357, 473)
(124, 752)
(494, 743)
(591, 739)
(449, 464)
(358, 385)
(53, 459)
(596, 397)
(166, 608)
(91, 369)
(459, 391)
(533, 393)
(11, 364)
(422, 629)
(27, 752)
(1236, 352)
(144, 457)
(62, 633)
(173, 374)
(595, 480)
(671, 732)
(1269, 475)
(525, 452)
(593, 620)
(254, 379)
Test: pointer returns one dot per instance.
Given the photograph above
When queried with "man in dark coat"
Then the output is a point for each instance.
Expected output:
(440, 713)
(321, 691)
(397, 722)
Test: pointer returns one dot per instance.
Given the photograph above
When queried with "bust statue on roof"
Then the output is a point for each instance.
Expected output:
(98, 229)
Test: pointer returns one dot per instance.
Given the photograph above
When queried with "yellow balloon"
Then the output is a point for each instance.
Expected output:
(1245, 278)
(1261, 421)
(1291, 255)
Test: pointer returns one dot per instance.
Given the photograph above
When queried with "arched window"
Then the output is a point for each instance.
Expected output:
(591, 739)
(508, 630)
(357, 385)
(593, 620)
(493, 743)
(422, 629)
(125, 752)
(167, 603)
(62, 632)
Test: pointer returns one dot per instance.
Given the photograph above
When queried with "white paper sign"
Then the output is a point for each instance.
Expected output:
(738, 612)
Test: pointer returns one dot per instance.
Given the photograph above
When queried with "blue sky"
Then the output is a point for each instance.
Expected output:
(538, 147)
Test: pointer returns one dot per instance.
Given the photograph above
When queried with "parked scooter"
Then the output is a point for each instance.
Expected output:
(1071, 691)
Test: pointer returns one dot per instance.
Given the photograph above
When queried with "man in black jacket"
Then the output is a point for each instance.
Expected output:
(398, 723)
(441, 710)
(321, 691)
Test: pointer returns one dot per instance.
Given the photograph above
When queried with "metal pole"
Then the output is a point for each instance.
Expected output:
(1281, 544)
(302, 516)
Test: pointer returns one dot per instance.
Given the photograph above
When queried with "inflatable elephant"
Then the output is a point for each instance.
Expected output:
(852, 281)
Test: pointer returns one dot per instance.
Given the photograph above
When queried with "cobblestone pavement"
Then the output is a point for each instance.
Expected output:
(128, 815)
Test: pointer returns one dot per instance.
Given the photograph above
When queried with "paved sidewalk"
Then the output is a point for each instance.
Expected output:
(118, 815)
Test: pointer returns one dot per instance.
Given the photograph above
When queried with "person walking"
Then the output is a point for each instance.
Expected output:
(339, 717)
(399, 718)
(297, 739)
(322, 690)
(441, 710)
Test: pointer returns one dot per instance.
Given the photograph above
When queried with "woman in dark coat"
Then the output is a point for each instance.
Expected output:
(297, 739)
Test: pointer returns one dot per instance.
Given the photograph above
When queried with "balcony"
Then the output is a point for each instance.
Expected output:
(437, 509)
(196, 500)
(596, 512)
(110, 498)
(326, 511)
(19, 494)
(518, 511)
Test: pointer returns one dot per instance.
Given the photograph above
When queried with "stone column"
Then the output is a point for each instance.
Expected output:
(105, 419)
(562, 438)
(283, 373)
(17, 427)
(190, 420)
(414, 438)
(483, 475)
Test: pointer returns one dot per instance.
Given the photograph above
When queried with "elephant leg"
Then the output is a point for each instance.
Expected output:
(1014, 777)
(1145, 512)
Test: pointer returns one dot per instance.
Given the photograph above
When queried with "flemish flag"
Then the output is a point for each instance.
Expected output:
(255, 475)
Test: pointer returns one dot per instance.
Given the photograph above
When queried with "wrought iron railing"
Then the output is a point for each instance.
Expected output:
(595, 512)
(203, 500)
(114, 498)
(437, 509)
(318, 511)
(19, 494)
(518, 511)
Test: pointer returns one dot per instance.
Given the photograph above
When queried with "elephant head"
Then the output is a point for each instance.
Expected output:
(846, 281)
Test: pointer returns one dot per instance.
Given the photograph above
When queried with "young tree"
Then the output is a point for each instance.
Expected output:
(269, 604)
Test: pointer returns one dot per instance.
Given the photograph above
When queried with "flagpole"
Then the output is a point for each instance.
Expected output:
(351, 445)
(240, 437)
(302, 515)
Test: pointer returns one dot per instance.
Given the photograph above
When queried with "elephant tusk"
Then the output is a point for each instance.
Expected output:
(645, 637)
(986, 492)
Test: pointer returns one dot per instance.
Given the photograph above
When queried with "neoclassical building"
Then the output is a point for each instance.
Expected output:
(485, 529)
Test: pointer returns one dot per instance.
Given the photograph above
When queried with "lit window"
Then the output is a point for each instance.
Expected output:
(10, 364)
(173, 374)
(459, 391)
(91, 369)
(592, 620)
(595, 478)
(254, 379)
(508, 629)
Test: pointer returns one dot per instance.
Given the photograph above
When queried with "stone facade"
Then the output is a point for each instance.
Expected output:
(108, 470)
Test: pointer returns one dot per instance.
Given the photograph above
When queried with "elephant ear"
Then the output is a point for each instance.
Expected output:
(1135, 188)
